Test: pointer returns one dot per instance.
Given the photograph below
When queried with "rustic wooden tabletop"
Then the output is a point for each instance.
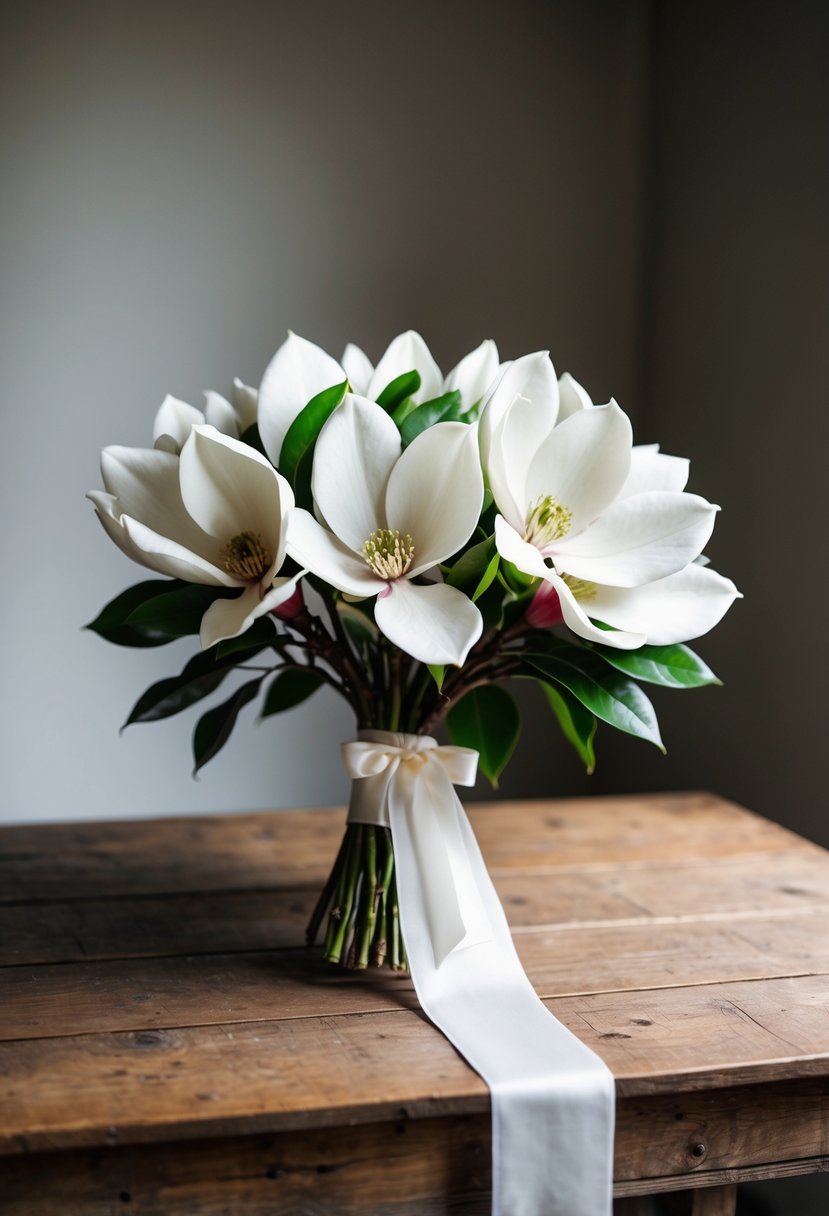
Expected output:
(169, 1046)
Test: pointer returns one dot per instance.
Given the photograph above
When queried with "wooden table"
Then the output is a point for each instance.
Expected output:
(168, 1045)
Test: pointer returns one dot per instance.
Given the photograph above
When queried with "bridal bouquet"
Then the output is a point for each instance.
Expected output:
(414, 542)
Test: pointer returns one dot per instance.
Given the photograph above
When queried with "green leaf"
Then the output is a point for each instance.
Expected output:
(670, 666)
(438, 673)
(401, 387)
(201, 676)
(289, 688)
(213, 729)
(111, 622)
(260, 634)
(178, 613)
(615, 700)
(578, 725)
(470, 568)
(487, 579)
(492, 604)
(441, 409)
(298, 445)
(486, 719)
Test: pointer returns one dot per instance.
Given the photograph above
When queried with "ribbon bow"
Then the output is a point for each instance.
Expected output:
(406, 782)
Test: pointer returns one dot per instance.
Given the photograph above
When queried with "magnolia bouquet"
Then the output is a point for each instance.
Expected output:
(414, 542)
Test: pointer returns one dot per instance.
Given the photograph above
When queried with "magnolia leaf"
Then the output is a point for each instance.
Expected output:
(578, 725)
(671, 666)
(487, 579)
(289, 688)
(395, 393)
(178, 613)
(111, 625)
(214, 728)
(260, 634)
(441, 409)
(297, 451)
(438, 673)
(471, 566)
(609, 696)
(486, 719)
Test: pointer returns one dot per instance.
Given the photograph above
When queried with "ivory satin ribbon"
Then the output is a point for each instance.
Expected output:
(553, 1099)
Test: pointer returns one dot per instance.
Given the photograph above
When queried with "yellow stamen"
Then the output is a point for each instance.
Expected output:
(245, 557)
(581, 588)
(548, 520)
(388, 553)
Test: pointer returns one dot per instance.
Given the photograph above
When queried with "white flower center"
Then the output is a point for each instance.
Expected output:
(245, 557)
(582, 589)
(548, 520)
(388, 553)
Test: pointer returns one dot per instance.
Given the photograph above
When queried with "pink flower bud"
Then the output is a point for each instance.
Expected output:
(292, 606)
(544, 611)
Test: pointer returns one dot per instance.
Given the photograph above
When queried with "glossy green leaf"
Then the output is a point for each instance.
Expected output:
(111, 622)
(441, 409)
(260, 634)
(486, 719)
(401, 388)
(670, 666)
(214, 728)
(438, 673)
(470, 568)
(290, 688)
(297, 451)
(605, 692)
(178, 613)
(487, 578)
(578, 724)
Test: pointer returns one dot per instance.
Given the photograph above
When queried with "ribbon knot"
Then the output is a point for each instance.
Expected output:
(406, 781)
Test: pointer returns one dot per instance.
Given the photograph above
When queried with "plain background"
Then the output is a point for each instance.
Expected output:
(642, 187)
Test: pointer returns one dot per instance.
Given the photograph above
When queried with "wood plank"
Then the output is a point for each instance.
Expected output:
(420, 1166)
(289, 848)
(142, 994)
(218, 922)
(313, 1072)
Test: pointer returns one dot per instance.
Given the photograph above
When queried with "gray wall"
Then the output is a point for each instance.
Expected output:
(181, 184)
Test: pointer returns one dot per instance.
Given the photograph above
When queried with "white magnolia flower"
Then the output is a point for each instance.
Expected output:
(392, 517)
(175, 418)
(300, 370)
(213, 516)
(597, 522)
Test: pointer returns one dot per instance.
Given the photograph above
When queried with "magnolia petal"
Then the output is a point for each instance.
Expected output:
(638, 539)
(434, 624)
(571, 397)
(298, 371)
(227, 618)
(316, 549)
(513, 548)
(108, 510)
(675, 609)
(436, 491)
(405, 353)
(475, 373)
(521, 432)
(229, 488)
(358, 368)
(532, 376)
(218, 412)
(651, 469)
(172, 423)
(244, 399)
(146, 483)
(355, 453)
(583, 463)
(168, 557)
(576, 618)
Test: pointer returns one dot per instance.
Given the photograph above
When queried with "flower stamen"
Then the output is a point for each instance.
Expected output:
(245, 557)
(388, 553)
(582, 588)
(548, 520)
